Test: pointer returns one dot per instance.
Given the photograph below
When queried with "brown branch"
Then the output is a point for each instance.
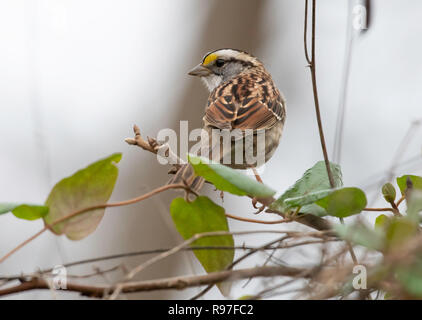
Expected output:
(163, 284)
(154, 147)
(379, 209)
(305, 37)
(101, 206)
(400, 200)
(309, 220)
(47, 272)
(238, 260)
(315, 91)
(173, 251)
(312, 66)
(257, 221)
(394, 209)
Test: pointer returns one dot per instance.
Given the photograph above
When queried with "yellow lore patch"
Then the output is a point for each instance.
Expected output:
(209, 58)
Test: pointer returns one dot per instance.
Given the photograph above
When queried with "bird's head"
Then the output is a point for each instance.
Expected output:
(221, 65)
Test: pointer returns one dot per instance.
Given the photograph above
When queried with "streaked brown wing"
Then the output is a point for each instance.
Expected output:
(221, 112)
(255, 111)
(256, 114)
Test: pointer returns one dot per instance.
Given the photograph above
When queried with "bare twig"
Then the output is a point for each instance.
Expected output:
(312, 66)
(378, 209)
(305, 38)
(400, 200)
(162, 284)
(153, 146)
(47, 272)
(257, 221)
(101, 206)
(266, 245)
(174, 250)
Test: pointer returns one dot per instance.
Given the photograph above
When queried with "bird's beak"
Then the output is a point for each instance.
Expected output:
(200, 71)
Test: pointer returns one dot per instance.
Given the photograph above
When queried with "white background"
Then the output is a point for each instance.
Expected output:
(76, 75)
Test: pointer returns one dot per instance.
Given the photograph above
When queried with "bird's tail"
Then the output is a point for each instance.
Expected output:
(186, 175)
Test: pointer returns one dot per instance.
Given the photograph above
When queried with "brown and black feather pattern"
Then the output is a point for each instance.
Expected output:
(247, 101)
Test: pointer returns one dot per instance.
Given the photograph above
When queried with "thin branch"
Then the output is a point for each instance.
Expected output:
(305, 36)
(101, 206)
(312, 66)
(379, 209)
(257, 221)
(316, 99)
(153, 146)
(47, 272)
(162, 284)
(174, 250)
(243, 257)
(238, 260)
(400, 200)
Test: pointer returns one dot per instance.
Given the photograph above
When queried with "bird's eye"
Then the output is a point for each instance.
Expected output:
(219, 63)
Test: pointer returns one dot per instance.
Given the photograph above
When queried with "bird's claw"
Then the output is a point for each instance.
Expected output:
(259, 208)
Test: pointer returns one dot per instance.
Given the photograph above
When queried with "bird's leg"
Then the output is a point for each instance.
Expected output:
(257, 176)
(254, 199)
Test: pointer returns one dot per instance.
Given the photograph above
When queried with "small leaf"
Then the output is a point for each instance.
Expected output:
(24, 211)
(313, 180)
(360, 234)
(416, 182)
(399, 230)
(381, 222)
(87, 187)
(228, 179)
(389, 192)
(344, 202)
(203, 215)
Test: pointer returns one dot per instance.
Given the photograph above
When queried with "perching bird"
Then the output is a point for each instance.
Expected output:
(242, 96)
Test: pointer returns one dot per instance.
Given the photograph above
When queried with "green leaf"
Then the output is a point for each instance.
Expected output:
(87, 187)
(399, 230)
(381, 222)
(411, 277)
(414, 205)
(344, 202)
(360, 234)
(313, 180)
(416, 182)
(24, 211)
(396, 230)
(228, 179)
(389, 192)
(203, 215)
(306, 199)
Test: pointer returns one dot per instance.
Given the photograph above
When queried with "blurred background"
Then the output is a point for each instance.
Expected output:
(76, 75)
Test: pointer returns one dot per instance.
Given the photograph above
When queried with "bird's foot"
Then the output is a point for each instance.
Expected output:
(259, 208)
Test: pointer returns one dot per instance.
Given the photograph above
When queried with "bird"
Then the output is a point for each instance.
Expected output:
(243, 99)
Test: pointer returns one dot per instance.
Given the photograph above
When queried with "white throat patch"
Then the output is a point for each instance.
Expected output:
(212, 81)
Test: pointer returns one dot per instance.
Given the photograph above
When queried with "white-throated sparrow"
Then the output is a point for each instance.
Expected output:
(243, 98)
